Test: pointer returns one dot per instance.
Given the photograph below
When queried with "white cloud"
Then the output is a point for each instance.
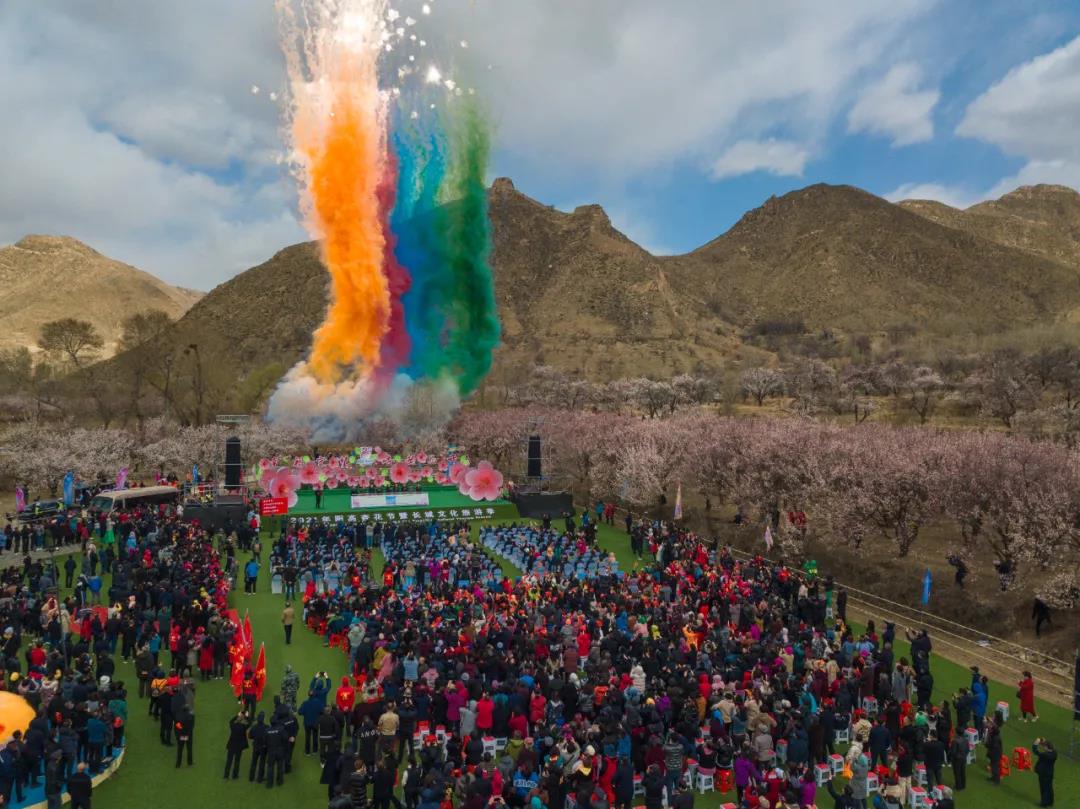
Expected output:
(952, 196)
(618, 88)
(1034, 111)
(896, 108)
(780, 157)
(133, 126)
(136, 133)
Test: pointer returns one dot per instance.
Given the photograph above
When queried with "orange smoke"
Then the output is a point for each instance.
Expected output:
(339, 141)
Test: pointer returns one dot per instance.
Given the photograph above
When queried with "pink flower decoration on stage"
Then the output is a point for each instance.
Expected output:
(484, 482)
(463, 486)
(264, 463)
(443, 465)
(414, 476)
(458, 472)
(399, 473)
(309, 473)
(421, 457)
(384, 458)
(283, 483)
(427, 472)
(410, 460)
(354, 482)
(441, 479)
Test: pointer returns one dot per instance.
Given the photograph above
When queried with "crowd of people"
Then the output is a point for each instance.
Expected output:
(165, 610)
(566, 688)
(557, 690)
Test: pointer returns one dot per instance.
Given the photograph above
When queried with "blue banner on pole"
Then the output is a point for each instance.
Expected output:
(69, 488)
(927, 581)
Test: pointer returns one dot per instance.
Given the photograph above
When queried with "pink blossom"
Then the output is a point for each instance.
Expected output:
(484, 482)
(384, 458)
(264, 463)
(283, 483)
(399, 473)
(441, 479)
(458, 472)
(414, 476)
(421, 457)
(309, 473)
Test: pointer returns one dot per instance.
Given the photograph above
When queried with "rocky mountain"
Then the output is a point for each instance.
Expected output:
(1040, 219)
(838, 257)
(577, 294)
(45, 278)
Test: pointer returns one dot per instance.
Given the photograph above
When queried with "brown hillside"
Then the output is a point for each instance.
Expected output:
(839, 257)
(575, 293)
(1039, 219)
(45, 278)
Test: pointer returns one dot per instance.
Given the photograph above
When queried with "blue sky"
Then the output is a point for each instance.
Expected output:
(139, 132)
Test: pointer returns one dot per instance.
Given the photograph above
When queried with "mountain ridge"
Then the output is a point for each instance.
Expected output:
(45, 277)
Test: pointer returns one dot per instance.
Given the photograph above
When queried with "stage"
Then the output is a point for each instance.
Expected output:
(443, 503)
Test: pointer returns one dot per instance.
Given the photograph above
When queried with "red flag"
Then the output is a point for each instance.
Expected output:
(260, 671)
(236, 675)
(248, 643)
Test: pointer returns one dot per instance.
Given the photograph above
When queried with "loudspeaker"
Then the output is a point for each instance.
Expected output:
(233, 464)
(534, 467)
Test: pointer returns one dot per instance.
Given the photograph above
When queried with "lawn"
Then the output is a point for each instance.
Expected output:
(148, 776)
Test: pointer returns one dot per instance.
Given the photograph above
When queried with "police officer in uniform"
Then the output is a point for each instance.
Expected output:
(276, 746)
(257, 735)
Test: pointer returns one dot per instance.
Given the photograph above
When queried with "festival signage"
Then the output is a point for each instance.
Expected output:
(389, 500)
(439, 515)
(273, 506)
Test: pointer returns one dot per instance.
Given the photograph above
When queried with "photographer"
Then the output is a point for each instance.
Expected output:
(1046, 757)
(236, 744)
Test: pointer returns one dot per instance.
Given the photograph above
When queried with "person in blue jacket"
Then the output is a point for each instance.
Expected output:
(979, 697)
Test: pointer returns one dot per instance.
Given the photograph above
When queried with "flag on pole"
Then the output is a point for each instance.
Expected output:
(248, 643)
(121, 477)
(195, 473)
(927, 582)
(768, 537)
(678, 502)
(69, 488)
(260, 672)
(20, 498)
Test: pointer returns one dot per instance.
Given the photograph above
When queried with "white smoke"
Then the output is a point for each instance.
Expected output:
(342, 412)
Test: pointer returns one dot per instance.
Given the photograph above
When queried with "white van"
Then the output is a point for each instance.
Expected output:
(125, 499)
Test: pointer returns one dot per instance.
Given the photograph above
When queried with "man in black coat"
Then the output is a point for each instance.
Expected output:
(1046, 757)
(934, 758)
(958, 755)
(277, 745)
(236, 744)
(80, 787)
(257, 735)
(623, 783)
(185, 735)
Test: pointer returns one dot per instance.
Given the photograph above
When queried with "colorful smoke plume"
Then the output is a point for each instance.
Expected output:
(391, 182)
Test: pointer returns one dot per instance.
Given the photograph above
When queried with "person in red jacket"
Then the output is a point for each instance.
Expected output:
(485, 713)
(537, 708)
(1026, 693)
(346, 696)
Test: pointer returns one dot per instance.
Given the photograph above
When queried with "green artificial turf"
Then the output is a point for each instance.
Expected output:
(148, 777)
